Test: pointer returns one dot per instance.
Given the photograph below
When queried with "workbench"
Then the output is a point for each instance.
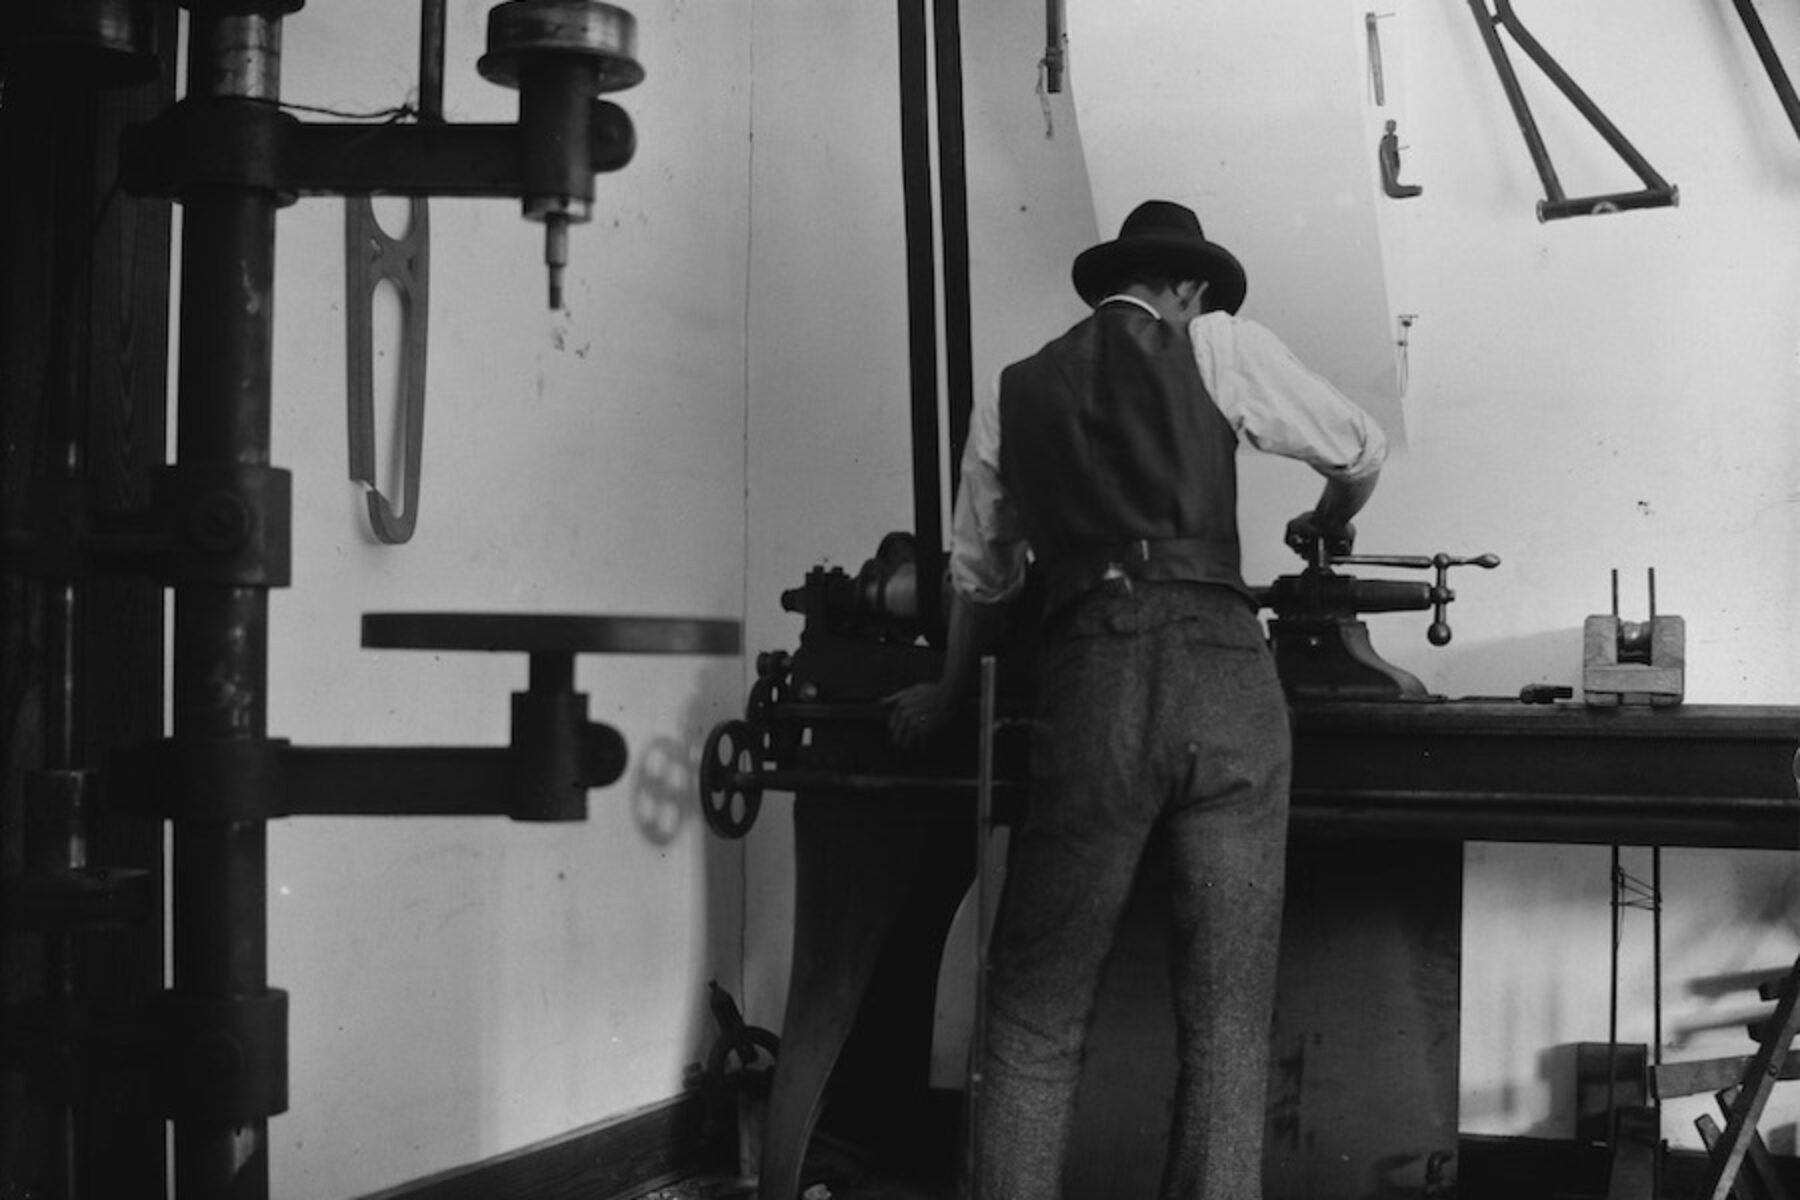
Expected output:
(1364, 1068)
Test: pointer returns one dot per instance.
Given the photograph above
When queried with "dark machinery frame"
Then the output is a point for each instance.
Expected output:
(211, 1050)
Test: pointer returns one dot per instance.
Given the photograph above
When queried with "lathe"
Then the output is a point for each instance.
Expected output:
(1389, 781)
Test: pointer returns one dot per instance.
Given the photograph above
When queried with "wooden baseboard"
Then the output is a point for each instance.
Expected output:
(619, 1158)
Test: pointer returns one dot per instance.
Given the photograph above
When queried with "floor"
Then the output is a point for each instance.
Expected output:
(834, 1171)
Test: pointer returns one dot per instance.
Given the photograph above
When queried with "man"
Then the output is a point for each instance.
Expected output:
(1107, 460)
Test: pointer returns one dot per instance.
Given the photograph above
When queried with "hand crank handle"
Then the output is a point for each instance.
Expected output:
(1439, 632)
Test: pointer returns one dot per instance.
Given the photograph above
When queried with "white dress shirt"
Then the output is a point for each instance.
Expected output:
(1270, 398)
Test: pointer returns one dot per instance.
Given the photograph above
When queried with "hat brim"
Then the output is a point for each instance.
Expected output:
(1098, 269)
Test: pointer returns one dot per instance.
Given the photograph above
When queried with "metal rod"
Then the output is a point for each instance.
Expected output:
(62, 609)
(1569, 88)
(1656, 1033)
(431, 61)
(959, 353)
(921, 292)
(784, 779)
(1515, 96)
(1611, 202)
(1611, 1004)
(221, 632)
(1056, 41)
(1718, 821)
(1771, 61)
(984, 907)
(62, 834)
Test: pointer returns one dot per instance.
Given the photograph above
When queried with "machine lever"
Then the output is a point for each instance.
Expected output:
(1423, 562)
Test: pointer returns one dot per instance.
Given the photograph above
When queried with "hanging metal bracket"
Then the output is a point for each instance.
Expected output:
(373, 257)
(1656, 192)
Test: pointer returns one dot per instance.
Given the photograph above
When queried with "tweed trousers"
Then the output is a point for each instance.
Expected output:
(1159, 717)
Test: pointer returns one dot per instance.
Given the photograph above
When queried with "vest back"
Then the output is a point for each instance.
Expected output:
(1117, 457)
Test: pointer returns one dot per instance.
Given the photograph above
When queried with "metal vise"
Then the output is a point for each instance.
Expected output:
(1323, 652)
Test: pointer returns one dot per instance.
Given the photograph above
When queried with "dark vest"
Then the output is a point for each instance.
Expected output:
(1118, 459)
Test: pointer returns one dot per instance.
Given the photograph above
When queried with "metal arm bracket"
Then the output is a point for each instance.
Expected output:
(1656, 192)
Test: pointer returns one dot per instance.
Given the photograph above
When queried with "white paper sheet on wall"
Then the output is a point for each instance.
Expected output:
(1256, 116)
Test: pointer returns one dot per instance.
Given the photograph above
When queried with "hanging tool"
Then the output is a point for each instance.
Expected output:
(1378, 85)
(1389, 153)
(1656, 192)
(373, 257)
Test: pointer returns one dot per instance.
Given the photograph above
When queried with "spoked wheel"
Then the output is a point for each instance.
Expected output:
(730, 797)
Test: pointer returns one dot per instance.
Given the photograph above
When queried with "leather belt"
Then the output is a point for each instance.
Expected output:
(1189, 560)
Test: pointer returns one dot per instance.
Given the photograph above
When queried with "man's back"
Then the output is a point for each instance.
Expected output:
(1108, 436)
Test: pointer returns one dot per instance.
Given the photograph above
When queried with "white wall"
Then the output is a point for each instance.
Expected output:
(1602, 392)
(464, 987)
(1587, 394)
(724, 406)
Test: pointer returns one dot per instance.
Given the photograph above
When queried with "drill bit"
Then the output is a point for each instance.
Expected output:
(556, 253)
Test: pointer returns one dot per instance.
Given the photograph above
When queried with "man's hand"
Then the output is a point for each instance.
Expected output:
(1305, 537)
(919, 711)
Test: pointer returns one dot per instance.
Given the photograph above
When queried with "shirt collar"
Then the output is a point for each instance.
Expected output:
(1143, 304)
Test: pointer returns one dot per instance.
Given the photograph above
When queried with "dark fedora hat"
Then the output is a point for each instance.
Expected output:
(1164, 234)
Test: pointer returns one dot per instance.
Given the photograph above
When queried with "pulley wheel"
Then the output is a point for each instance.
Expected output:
(522, 30)
(730, 797)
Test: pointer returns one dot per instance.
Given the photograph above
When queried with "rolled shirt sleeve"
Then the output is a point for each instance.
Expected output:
(1280, 406)
(988, 552)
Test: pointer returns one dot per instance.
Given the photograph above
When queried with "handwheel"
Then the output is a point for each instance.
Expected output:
(730, 797)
